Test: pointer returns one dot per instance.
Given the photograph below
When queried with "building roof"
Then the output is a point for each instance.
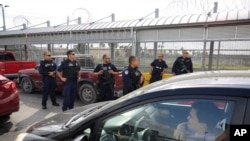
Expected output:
(119, 25)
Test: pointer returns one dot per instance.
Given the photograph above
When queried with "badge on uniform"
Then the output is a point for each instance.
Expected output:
(70, 65)
(137, 73)
(126, 72)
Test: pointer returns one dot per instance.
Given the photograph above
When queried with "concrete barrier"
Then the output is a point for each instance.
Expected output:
(147, 77)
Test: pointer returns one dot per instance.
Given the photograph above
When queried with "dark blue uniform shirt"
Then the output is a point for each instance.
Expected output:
(70, 69)
(46, 67)
(131, 79)
(158, 66)
(105, 67)
(182, 66)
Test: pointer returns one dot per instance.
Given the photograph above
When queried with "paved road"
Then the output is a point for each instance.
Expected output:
(30, 112)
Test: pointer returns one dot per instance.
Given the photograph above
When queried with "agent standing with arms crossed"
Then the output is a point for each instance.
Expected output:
(106, 76)
(157, 69)
(183, 64)
(132, 77)
(69, 73)
(47, 69)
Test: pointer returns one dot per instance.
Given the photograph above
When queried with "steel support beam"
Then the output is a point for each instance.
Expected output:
(155, 49)
(133, 49)
(218, 56)
(49, 48)
(138, 50)
(211, 53)
(204, 49)
(26, 52)
(112, 50)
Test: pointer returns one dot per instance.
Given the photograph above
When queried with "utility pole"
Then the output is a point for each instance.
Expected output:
(3, 7)
(215, 7)
(112, 17)
(156, 13)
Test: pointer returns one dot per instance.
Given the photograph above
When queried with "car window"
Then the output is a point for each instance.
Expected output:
(190, 120)
(83, 136)
(85, 62)
(6, 57)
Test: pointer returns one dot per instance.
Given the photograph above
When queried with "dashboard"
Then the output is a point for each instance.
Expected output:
(136, 125)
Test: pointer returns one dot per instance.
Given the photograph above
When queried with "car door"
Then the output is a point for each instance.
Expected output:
(170, 119)
(247, 118)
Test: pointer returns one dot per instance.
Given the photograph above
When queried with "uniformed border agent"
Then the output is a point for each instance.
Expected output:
(183, 64)
(69, 73)
(132, 77)
(157, 69)
(47, 69)
(106, 76)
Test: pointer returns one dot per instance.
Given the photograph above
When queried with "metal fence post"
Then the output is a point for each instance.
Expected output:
(133, 49)
(112, 50)
(218, 56)
(155, 49)
(204, 49)
(211, 53)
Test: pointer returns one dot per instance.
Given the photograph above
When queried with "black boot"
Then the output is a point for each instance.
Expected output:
(55, 104)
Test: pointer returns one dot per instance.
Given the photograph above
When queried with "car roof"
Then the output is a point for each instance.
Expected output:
(193, 81)
(223, 79)
(7, 52)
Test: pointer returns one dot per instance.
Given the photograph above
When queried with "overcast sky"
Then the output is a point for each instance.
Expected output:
(57, 11)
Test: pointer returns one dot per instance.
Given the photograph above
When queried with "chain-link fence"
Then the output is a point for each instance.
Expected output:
(233, 55)
(218, 55)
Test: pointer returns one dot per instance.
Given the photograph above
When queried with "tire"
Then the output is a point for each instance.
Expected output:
(6, 116)
(87, 94)
(27, 85)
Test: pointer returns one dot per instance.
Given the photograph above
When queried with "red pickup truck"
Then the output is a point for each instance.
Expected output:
(30, 79)
(9, 66)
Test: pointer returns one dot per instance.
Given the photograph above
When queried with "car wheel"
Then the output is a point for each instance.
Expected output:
(27, 85)
(5, 116)
(87, 94)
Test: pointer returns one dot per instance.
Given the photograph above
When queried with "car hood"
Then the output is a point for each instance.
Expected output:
(31, 137)
(56, 123)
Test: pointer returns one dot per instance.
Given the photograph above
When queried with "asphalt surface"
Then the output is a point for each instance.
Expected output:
(30, 112)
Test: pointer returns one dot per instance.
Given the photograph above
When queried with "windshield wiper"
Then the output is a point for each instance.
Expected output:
(82, 114)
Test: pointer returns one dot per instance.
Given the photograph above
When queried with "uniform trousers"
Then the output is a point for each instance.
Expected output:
(70, 92)
(49, 86)
(106, 92)
(155, 78)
